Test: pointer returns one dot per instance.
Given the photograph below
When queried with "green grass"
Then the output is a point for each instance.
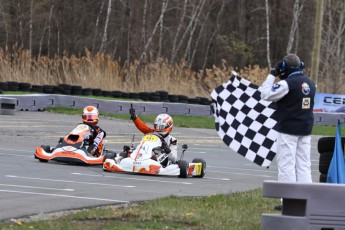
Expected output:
(240, 210)
(179, 121)
(206, 122)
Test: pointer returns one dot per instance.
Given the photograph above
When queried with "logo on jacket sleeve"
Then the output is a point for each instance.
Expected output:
(305, 88)
(275, 87)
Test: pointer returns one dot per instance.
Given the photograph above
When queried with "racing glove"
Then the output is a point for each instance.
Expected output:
(277, 70)
(92, 149)
(165, 148)
(132, 113)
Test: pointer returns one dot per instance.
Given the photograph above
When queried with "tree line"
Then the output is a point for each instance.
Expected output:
(202, 33)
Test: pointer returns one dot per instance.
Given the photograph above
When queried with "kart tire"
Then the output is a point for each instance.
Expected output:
(43, 160)
(323, 178)
(203, 167)
(184, 167)
(324, 162)
(326, 144)
(109, 155)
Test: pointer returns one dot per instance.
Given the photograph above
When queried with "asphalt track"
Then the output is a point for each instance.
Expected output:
(29, 187)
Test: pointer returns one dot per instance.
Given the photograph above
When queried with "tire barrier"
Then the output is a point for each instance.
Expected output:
(325, 147)
(305, 206)
(66, 89)
(39, 102)
(7, 106)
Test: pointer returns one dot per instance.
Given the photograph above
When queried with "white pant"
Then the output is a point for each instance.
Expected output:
(293, 158)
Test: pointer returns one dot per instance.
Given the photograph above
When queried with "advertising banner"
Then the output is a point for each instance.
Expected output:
(330, 103)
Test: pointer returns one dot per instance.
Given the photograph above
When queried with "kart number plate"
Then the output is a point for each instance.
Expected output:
(150, 138)
(198, 167)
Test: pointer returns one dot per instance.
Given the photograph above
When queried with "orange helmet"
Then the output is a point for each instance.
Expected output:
(163, 124)
(90, 115)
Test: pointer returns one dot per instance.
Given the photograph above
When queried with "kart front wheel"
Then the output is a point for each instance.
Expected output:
(43, 160)
(184, 167)
(203, 166)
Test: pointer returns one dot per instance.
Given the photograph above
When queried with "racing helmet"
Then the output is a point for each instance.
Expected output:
(90, 115)
(163, 124)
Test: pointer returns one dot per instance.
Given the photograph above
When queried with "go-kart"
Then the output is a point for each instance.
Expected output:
(149, 158)
(72, 149)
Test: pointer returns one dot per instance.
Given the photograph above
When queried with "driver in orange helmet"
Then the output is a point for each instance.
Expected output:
(162, 125)
(90, 117)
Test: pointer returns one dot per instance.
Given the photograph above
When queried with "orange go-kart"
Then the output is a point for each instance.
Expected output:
(73, 149)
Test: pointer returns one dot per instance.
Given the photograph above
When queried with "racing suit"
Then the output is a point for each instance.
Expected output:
(294, 97)
(95, 140)
(169, 139)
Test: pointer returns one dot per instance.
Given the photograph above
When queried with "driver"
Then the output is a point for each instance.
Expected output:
(90, 117)
(162, 126)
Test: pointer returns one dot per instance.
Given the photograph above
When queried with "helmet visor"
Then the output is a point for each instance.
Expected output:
(90, 117)
(159, 126)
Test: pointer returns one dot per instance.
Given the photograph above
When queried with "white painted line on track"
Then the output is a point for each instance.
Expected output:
(211, 178)
(69, 181)
(15, 155)
(242, 169)
(17, 150)
(67, 196)
(131, 178)
(247, 174)
(23, 186)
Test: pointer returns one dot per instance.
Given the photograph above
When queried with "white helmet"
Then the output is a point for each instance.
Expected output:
(90, 115)
(163, 124)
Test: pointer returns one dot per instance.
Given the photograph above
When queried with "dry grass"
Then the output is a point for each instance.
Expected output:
(101, 71)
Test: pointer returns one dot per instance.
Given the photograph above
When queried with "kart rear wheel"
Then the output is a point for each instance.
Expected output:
(184, 166)
(203, 166)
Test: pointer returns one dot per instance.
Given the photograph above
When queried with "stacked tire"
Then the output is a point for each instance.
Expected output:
(325, 148)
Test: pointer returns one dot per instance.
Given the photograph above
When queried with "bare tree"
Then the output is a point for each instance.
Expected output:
(196, 22)
(333, 48)
(317, 41)
(189, 27)
(105, 35)
(177, 34)
(30, 26)
(201, 31)
(144, 28)
(5, 24)
(213, 35)
(164, 6)
(20, 24)
(294, 26)
(268, 35)
(96, 27)
(49, 30)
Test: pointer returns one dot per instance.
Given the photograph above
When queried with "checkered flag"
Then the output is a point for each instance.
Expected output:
(245, 122)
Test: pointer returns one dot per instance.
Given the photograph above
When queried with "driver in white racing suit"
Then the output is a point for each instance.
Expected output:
(90, 117)
(162, 126)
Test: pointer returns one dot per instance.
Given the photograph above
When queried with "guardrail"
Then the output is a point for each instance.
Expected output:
(316, 206)
(7, 106)
(39, 102)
